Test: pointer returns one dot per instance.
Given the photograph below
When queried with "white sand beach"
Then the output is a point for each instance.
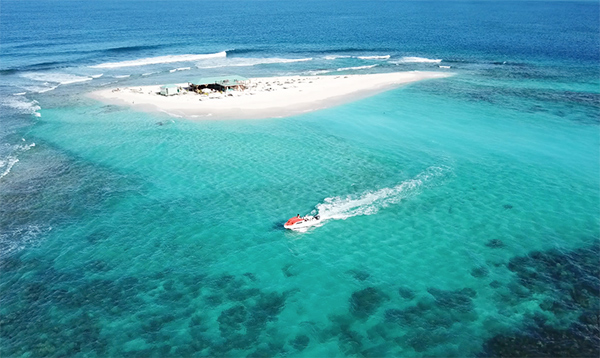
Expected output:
(264, 97)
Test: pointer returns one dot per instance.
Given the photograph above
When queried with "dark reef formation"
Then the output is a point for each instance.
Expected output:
(53, 313)
(573, 278)
(61, 313)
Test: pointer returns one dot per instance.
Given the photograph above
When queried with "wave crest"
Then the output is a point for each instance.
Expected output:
(355, 68)
(409, 59)
(55, 77)
(385, 57)
(247, 62)
(160, 59)
(21, 104)
(6, 165)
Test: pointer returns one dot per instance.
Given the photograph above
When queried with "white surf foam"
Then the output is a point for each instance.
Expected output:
(355, 68)
(6, 165)
(374, 57)
(149, 73)
(55, 77)
(370, 202)
(9, 161)
(419, 60)
(25, 147)
(21, 104)
(335, 57)
(160, 59)
(20, 238)
(97, 76)
(20, 94)
(180, 69)
(171, 114)
(122, 76)
(247, 62)
(318, 72)
(42, 89)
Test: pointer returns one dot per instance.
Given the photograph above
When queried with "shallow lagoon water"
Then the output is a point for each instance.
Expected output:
(460, 218)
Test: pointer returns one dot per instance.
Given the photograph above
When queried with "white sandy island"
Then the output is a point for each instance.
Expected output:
(264, 97)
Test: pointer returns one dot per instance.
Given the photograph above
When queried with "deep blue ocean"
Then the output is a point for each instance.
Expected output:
(463, 213)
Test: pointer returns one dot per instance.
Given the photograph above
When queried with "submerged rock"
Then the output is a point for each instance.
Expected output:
(495, 284)
(300, 342)
(458, 300)
(406, 293)
(232, 319)
(359, 275)
(495, 244)
(365, 302)
(479, 272)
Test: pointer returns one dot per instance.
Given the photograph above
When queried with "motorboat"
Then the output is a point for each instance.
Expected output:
(298, 222)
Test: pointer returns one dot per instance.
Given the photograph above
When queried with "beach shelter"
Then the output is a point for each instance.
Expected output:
(169, 90)
(219, 83)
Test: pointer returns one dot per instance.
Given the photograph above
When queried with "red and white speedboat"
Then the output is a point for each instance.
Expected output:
(297, 222)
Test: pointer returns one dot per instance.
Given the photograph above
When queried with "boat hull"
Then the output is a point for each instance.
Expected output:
(303, 224)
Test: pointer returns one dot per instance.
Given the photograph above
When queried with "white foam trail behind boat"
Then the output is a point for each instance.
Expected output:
(370, 202)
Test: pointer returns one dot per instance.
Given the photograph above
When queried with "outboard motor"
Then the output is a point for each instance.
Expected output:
(318, 217)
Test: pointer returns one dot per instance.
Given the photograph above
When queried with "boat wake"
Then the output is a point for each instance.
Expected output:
(370, 202)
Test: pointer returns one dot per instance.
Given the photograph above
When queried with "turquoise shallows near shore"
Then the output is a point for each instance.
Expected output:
(462, 213)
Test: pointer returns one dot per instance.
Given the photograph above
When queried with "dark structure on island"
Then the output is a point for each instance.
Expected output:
(220, 84)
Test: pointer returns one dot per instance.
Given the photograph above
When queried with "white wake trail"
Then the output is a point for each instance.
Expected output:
(370, 202)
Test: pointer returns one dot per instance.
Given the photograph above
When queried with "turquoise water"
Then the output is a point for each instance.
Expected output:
(460, 215)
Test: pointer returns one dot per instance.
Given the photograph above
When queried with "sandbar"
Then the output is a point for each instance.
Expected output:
(266, 97)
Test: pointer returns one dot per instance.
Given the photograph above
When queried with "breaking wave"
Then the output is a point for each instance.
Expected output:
(355, 68)
(42, 89)
(335, 57)
(321, 72)
(418, 60)
(55, 77)
(247, 62)
(160, 59)
(21, 104)
(180, 69)
(6, 165)
(370, 202)
(242, 51)
(374, 57)
(318, 72)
